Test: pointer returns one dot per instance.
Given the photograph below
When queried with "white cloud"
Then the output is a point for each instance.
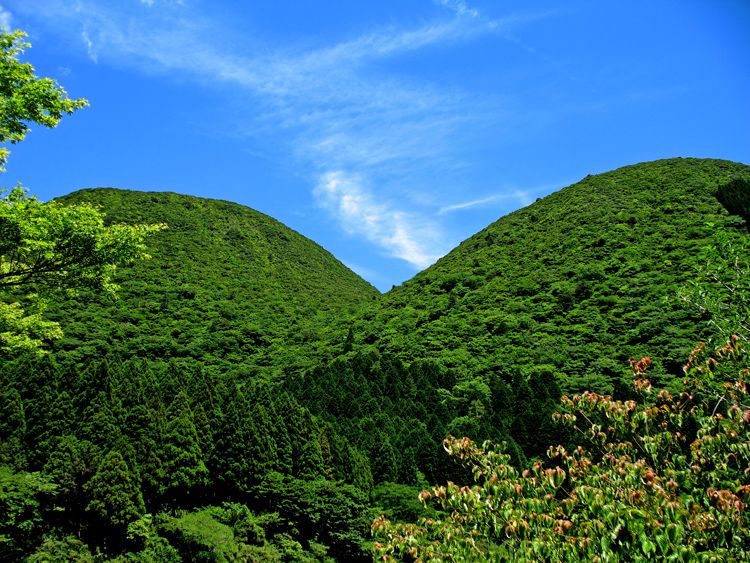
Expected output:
(402, 235)
(151, 3)
(90, 47)
(523, 197)
(459, 7)
(6, 19)
(469, 204)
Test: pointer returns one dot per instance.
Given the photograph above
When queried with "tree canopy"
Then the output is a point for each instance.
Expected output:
(51, 245)
(45, 246)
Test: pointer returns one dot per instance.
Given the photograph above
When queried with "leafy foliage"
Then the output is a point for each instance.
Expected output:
(49, 245)
(664, 477)
(22, 499)
(237, 403)
(721, 292)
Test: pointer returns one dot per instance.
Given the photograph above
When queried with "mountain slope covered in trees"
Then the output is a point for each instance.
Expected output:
(227, 287)
(249, 398)
(573, 284)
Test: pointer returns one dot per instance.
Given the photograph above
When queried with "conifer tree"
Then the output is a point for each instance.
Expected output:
(115, 496)
(99, 424)
(12, 427)
(184, 467)
(261, 449)
(59, 420)
(230, 463)
(383, 459)
(71, 464)
(283, 441)
(203, 430)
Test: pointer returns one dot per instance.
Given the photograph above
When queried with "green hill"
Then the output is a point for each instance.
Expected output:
(575, 283)
(250, 397)
(227, 286)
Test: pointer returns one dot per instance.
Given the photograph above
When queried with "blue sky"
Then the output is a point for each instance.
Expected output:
(386, 131)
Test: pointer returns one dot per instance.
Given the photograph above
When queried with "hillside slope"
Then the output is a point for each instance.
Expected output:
(227, 286)
(575, 283)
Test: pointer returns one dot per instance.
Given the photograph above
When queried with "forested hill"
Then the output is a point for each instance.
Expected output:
(227, 286)
(247, 397)
(573, 284)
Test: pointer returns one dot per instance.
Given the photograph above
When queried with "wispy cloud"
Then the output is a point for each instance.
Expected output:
(90, 47)
(523, 197)
(6, 19)
(402, 235)
(459, 7)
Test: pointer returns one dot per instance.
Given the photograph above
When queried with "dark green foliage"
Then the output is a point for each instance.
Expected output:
(22, 501)
(735, 196)
(388, 419)
(230, 465)
(184, 468)
(322, 511)
(399, 503)
(71, 465)
(115, 495)
(12, 426)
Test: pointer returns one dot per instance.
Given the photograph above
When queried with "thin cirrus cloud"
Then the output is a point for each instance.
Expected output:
(522, 197)
(6, 21)
(349, 126)
(344, 196)
(458, 6)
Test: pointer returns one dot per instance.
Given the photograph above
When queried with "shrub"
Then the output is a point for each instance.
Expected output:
(664, 477)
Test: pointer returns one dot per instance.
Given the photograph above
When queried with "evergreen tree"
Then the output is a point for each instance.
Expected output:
(12, 427)
(115, 496)
(284, 453)
(60, 420)
(203, 430)
(71, 464)
(184, 467)
(307, 457)
(383, 459)
(261, 448)
(99, 424)
(230, 463)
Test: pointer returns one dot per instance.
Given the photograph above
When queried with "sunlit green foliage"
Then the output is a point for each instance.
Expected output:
(49, 245)
(721, 290)
(228, 288)
(579, 281)
(248, 398)
(46, 248)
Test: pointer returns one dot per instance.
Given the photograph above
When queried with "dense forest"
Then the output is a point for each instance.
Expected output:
(186, 379)
(245, 397)
(576, 283)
